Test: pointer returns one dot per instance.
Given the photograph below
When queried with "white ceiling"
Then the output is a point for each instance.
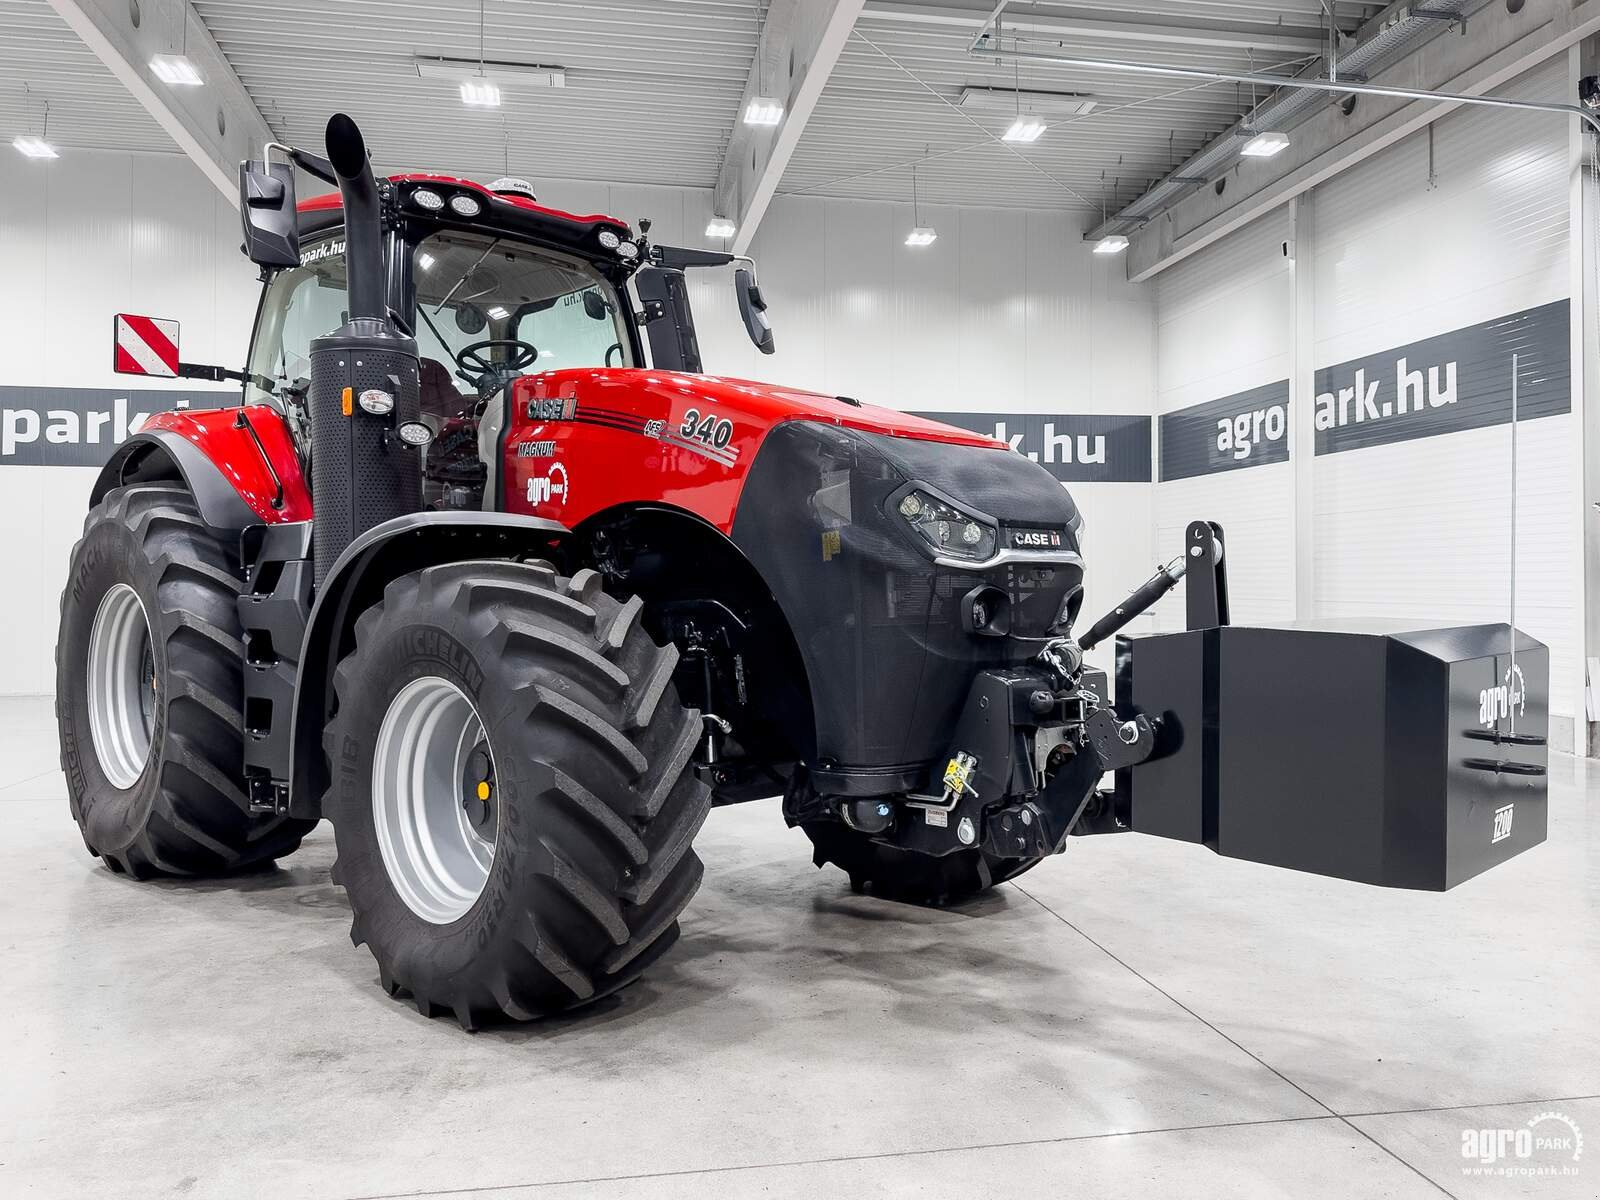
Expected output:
(653, 90)
(43, 60)
(878, 111)
(652, 85)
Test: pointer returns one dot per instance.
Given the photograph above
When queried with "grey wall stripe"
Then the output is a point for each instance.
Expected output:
(1074, 447)
(80, 427)
(1458, 380)
(1249, 429)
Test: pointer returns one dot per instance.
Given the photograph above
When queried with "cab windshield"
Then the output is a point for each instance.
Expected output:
(489, 309)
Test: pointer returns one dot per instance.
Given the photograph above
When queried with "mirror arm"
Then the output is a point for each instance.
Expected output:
(214, 374)
(311, 164)
(677, 258)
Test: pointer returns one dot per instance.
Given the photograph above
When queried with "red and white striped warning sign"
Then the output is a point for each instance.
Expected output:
(146, 346)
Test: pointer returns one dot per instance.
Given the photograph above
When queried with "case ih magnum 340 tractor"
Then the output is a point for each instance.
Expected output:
(512, 609)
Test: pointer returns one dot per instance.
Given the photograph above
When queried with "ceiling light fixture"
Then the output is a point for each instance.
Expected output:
(920, 235)
(763, 110)
(479, 92)
(34, 147)
(721, 227)
(1265, 145)
(1115, 244)
(1024, 129)
(176, 70)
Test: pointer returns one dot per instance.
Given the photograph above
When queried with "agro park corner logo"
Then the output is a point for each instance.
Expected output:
(1551, 1144)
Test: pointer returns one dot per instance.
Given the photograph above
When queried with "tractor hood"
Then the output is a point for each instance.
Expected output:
(763, 405)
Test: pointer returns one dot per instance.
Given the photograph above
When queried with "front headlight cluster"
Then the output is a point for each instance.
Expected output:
(951, 532)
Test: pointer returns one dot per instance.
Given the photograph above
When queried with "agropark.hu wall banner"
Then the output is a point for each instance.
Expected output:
(1444, 384)
(1074, 447)
(80, 427)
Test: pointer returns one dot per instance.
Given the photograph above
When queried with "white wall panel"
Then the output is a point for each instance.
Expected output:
(1421, 530)
(1006, 312)
(1223, 327)
(83, 237)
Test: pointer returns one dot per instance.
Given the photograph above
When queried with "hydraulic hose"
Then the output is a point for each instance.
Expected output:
(347, 152)
(1152, 589)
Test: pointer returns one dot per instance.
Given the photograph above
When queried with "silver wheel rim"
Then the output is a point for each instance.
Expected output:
(438, 859)
(122, 686)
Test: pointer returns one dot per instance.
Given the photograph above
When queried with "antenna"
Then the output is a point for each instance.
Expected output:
(1511, 679)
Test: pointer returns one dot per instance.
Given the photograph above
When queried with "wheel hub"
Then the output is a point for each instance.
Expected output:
(121, 686)
(478, 798)
(433, 799)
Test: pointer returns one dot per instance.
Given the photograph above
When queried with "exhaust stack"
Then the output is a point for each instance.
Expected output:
(364, 377)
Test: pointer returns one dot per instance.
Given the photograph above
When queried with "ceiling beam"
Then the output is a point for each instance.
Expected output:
(217, 124)
(1500, 47)
(1056, 22)
(801, 41)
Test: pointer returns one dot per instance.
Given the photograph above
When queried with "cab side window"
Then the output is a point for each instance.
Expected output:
(299, 304)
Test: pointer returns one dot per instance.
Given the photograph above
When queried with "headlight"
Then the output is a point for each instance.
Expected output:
(608, 240)
(428, 199)
(628, 251)
(946, 528)
(465, 206)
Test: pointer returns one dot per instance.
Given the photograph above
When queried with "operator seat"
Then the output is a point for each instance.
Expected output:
(438, 394)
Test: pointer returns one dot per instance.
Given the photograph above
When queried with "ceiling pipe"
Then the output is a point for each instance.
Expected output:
(1315, 85)
(1395, 32)
(1339, 87)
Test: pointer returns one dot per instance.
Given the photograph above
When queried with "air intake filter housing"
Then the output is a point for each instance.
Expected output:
(361, 473)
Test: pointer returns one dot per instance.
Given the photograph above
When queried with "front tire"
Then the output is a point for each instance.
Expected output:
(554, 870)
(149, 694)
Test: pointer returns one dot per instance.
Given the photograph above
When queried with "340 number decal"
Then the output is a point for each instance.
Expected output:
(710, 428)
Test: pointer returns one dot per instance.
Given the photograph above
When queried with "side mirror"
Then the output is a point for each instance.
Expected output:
(267, 210)
(753, 308)
(595, 306)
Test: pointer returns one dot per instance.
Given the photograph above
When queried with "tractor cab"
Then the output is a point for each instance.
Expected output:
(492, 285)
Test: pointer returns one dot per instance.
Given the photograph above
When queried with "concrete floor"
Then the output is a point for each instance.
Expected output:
(1137, 1018)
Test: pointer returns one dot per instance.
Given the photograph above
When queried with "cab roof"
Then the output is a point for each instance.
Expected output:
(330, 201)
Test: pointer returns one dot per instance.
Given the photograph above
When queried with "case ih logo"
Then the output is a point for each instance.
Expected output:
(552, 409)
(1036, 539)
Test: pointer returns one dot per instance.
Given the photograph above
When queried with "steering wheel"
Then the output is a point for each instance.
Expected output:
(473, 358)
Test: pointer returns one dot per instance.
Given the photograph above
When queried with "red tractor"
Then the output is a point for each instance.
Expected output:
(560, 592)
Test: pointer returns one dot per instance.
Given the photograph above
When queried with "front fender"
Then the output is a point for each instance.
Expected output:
(239, 464)
(355, 582)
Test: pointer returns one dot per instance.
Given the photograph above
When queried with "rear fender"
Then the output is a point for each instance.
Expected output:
(356, 582)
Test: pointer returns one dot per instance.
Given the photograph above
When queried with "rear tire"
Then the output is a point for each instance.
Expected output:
(570, 879)
(913, 878)
(152, 741)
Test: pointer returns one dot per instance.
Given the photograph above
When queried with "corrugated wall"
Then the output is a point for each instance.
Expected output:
(1223, 330)
(1422, 529)
(1400, 252)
